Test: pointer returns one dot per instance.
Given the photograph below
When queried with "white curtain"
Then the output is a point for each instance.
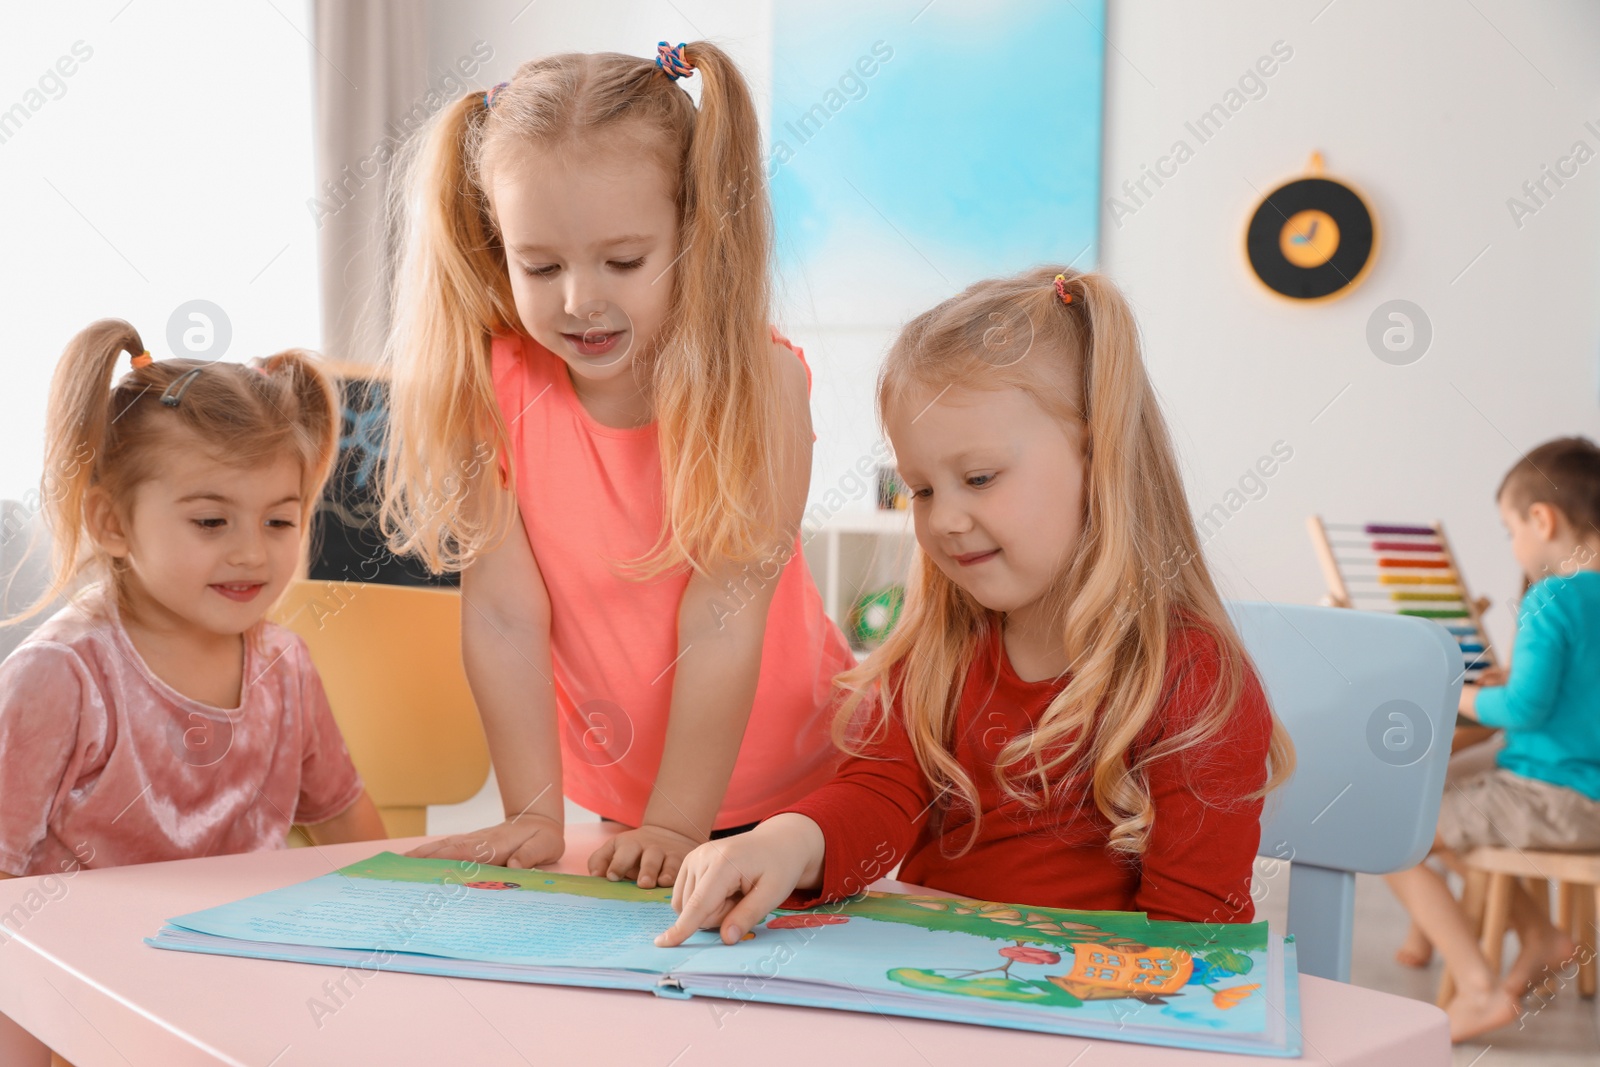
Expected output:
(371, 71)
(24, 570)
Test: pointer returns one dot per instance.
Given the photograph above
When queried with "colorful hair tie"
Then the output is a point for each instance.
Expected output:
(1061, 289)
(672, 61)
(491, 93)
(143, 359)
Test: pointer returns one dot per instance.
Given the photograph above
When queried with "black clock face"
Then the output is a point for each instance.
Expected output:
(1311, 239)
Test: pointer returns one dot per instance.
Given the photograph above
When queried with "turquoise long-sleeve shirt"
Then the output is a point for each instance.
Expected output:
(1550, 706)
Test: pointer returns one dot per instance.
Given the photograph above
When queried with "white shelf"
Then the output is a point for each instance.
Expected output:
(880, 521)
(856, 552)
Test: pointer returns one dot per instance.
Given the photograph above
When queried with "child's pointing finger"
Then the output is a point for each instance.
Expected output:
(703, 904)
(686, 925)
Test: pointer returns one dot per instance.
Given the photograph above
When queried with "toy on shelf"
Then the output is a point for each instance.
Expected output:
(1406, 569)
(856, 554)
(874, 614)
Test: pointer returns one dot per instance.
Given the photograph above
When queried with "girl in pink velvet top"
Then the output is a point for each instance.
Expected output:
(159, 716)
(596, 424)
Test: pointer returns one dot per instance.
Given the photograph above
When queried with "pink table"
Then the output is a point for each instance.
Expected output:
(76, 972)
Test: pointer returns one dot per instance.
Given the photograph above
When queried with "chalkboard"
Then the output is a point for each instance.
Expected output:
(346, 545)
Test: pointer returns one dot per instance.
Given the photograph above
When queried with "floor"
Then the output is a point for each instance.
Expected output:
(1564, 1032)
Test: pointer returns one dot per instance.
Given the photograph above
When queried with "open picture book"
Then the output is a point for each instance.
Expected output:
(1097, 974)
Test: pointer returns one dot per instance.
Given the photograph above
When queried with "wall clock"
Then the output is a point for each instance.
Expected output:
(1312, 238)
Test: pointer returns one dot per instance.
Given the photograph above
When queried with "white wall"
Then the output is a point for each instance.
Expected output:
(1438, 114)
(518, 31)
(1436, 110)
(172, 164)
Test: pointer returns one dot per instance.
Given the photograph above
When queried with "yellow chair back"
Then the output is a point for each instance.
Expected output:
(390, 660)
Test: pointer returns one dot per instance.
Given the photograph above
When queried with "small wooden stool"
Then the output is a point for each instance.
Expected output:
(1491, 875)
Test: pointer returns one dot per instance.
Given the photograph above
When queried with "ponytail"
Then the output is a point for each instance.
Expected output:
(451, 294)
(312, 414)
(76, 420)
(715, 383)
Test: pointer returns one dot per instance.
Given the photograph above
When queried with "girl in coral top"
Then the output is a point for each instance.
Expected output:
(1064, 716)
(594, 421)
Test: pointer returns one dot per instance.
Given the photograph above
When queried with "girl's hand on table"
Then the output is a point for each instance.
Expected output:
(522, 841)
(651, 855)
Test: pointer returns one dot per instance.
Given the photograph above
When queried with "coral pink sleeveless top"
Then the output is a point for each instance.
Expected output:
(589, 495)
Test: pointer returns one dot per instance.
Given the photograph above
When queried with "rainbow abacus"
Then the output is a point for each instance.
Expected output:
(1405, 569)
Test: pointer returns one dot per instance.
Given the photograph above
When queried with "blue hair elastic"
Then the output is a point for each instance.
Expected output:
(489, 95)
(673, 63)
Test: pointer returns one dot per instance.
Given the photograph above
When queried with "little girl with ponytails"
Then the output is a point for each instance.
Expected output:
(1064, 715)
(585, 295)
(159, 715)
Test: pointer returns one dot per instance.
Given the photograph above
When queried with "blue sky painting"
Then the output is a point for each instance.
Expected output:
(915, 148)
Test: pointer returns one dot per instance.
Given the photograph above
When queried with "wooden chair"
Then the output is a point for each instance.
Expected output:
(1491, 875)
(390, 660)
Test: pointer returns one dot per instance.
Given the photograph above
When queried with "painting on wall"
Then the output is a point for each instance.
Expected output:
(915, 148)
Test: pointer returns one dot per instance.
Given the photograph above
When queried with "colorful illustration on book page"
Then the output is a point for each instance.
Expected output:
(1110, 965)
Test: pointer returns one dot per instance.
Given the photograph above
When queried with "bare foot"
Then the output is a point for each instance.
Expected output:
(1416, 951)
(1545, 950)
(1474, 1013)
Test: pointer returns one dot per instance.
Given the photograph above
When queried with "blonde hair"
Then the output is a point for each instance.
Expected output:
(712, 384)
(1114, 603)
(111, 437)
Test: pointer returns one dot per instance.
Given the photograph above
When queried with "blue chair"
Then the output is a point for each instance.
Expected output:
(1370, 702)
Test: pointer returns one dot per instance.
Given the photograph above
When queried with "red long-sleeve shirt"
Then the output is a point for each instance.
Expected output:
(1197, 863)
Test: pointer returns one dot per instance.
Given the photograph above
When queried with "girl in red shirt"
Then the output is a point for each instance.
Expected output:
(1064, 716)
